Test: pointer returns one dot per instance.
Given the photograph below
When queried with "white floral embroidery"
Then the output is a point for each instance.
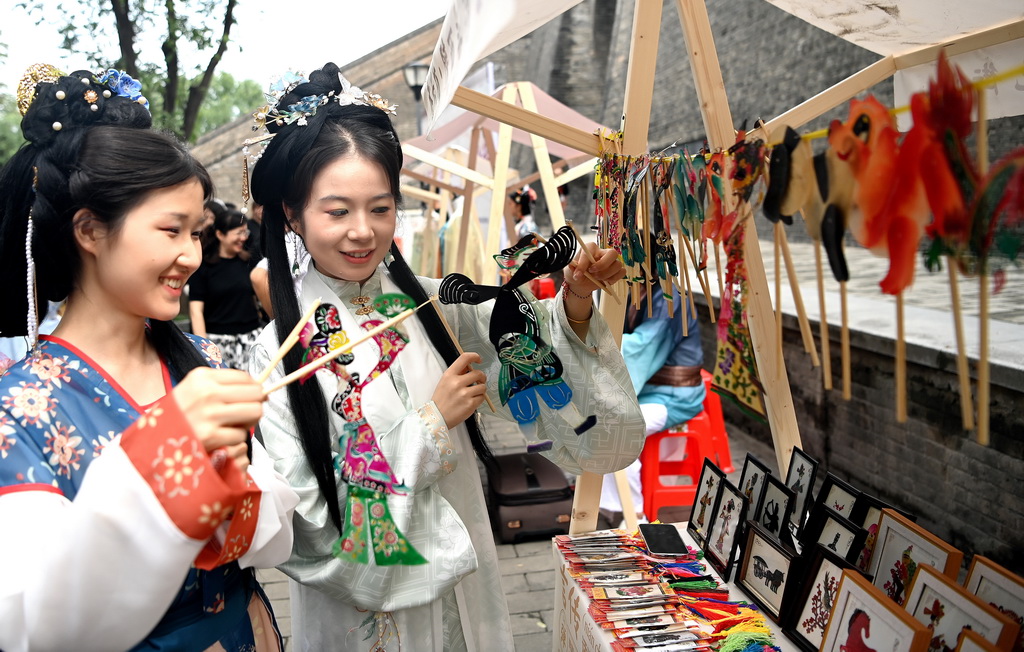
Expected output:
(102, 442)
(245, 511)
(214, 514)
(48, 368)
(151, 418)
(30, 403)
(63, 450)
(7, 439)
(177, 466)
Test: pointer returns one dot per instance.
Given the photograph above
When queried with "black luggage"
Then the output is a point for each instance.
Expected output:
(528, 497)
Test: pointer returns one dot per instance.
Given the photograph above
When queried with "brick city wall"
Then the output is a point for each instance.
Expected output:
(969, 495)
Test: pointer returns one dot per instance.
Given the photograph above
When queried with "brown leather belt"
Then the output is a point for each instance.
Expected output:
(675, 376)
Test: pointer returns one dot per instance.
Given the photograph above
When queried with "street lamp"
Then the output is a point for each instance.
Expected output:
(415, 76)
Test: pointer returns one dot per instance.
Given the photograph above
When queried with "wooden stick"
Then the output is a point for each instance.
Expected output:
(458, 347)
(826, 344)
(705, 287)
(323, 360)
(685, 273)
(586, 252)
(901, 363)
(718, 270)
(983, 370)
(607, 288)
(777, 246)
(798, 300)
(288, 343)
(962, 371)
(844, 342)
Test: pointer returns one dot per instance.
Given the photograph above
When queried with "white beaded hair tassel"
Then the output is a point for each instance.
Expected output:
(32, 329)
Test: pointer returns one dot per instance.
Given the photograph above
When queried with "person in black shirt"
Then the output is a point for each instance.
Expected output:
(222, 304)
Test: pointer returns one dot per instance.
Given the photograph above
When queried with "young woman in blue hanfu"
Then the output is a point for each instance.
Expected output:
(133, 509)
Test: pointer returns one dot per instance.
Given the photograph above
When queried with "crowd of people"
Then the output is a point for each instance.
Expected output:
(136, 498)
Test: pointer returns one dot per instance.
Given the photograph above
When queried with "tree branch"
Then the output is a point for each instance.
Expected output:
(125, 37)
(170, 50)
(197, 92)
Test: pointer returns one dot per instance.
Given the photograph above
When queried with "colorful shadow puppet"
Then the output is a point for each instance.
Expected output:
(363, 467)
(530, 369)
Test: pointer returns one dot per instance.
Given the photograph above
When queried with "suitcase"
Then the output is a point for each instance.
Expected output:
(528, 496)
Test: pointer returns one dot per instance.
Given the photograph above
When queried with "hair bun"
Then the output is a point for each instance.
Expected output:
(77, 101)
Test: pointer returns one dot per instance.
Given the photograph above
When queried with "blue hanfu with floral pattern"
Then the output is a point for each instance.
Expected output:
(58, 411)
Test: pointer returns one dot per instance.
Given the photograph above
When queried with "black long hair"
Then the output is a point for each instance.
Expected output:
(105, 160)
(283, 177)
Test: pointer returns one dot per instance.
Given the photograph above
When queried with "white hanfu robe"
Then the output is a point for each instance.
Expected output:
(455, 601)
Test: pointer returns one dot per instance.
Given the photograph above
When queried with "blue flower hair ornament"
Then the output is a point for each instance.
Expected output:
(122, 84)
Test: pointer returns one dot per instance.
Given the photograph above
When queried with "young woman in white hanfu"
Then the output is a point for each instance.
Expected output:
(131, 513)
(331, 174)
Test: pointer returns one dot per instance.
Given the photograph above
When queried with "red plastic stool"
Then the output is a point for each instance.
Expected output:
(720, 439)
(705, 437)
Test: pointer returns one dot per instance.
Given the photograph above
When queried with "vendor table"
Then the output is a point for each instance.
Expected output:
(575, 629)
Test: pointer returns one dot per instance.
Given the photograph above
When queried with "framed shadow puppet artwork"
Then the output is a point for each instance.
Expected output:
(946, 608)
(776, 505)
(864, 618)
(903, 546)
(1000, 588)
(711, 477)
(721, 542)
(812, 604)
(800, 478)
(765, 571)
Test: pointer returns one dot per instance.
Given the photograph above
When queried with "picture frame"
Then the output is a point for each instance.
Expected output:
(776, 504)
(752, 481)
(947, 608)
(705, 501)
(835, 532)
(812, 604)
(999, 588)
(800, 478)
(838, 495)
(866, 512)
(901, 548)
(971, 641)
(765, 571)
(864, 613)
(720, 544)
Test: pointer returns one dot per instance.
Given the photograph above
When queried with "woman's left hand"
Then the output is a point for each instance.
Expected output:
(606, 268)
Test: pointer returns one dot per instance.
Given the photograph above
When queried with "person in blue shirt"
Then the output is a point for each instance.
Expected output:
(665, 369)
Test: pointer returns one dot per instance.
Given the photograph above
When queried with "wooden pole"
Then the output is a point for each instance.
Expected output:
(719, 127)
(777, 246)
(901, 363)
(643, 54)
(826, 344)
(798, 301)
(544, 167)
(496, 216)
(467, 204)
(844, 342)
(983, 368)
(962, 371)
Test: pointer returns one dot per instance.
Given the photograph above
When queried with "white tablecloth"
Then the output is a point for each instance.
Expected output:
(576, 631)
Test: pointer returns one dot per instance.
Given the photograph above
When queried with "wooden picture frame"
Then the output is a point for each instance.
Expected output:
(862, 611)
(722, 539)
(999, 588)
(971, 641)
(835, 532)
(838, 495)
(752, 481)
(867, 511)
(811, 605)
(776, 505)
(947, 608)
(903, 546)
(705, 501)
(800, 478)
(765, 571)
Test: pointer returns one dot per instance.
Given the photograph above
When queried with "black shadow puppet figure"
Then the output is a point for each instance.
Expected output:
(529, 365)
